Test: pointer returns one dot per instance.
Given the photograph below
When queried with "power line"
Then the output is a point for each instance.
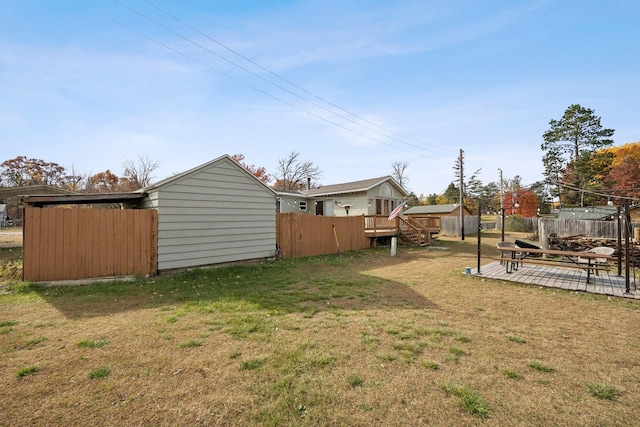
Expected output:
(200, 46)
(278, 76)
(600, 193)
(262, 91)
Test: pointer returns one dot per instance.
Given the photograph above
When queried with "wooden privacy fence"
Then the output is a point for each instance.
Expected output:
(450, 225)
(67, 244)
(301, 235)
(574, 227)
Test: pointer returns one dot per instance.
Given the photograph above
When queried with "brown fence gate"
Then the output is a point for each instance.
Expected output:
(68, 244)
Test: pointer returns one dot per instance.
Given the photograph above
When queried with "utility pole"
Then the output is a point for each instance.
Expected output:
(513, 200)
(501, 191)
(461, 196)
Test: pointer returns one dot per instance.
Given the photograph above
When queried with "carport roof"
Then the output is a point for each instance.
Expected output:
(80, 198)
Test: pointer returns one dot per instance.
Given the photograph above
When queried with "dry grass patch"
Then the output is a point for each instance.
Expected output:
(363, 339)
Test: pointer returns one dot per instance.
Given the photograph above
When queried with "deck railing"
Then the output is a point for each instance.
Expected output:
(375, 223)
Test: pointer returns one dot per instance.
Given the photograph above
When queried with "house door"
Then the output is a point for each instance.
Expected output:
(382, 206)
(328, 207)
(320, 207)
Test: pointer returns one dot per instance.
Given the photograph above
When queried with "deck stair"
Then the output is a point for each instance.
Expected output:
(413, 231)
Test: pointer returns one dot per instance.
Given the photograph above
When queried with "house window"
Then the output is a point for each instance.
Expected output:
(303, 206)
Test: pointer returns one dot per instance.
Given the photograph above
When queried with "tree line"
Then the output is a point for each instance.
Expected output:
(581, 168)
(23, 171)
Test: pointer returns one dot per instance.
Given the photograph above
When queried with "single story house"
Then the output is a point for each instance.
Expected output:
(375, 196)
(437, 210)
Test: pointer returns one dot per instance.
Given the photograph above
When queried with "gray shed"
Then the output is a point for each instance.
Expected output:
(214, 213)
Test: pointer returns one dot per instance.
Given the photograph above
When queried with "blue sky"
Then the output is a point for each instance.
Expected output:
(352, 86)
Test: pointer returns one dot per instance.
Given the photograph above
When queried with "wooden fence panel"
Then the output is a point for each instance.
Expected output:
(450, 225)
(68, 244)
(300, 235)
(572, 227)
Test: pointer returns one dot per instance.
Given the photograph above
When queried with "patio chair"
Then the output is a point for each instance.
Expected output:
(597, 262)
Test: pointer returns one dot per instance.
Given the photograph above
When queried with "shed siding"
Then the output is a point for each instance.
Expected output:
(215, 215)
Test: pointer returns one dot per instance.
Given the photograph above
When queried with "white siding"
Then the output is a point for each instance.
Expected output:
(215, 214)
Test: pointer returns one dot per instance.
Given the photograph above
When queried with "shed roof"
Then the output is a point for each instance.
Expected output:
(431, 209)
(593, 213)
(352, 187)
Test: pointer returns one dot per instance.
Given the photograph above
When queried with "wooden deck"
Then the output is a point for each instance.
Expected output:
(381, 232)
(574, 279)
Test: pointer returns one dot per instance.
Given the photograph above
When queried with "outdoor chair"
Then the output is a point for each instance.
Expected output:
(597, 262)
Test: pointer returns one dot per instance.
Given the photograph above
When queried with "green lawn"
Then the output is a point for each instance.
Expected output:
(358, 339)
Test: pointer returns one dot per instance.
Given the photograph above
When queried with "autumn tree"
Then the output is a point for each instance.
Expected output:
(27, 171)
(293, 173)
(578, 132)
(103, 182)
(523, 202)
(258, 172)
(624, 173)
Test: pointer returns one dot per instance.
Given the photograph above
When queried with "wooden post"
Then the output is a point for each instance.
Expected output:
(627, 238)
(479, 233)
(619, 242)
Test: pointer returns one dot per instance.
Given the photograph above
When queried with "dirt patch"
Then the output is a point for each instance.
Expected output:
(10, 237)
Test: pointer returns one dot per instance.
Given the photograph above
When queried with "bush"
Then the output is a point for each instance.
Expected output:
(515, 223)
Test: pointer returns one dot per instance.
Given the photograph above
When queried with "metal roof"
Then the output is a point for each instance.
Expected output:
(588, 213)
(431, 209)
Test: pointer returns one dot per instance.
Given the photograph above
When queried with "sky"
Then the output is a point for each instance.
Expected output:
(352, 86)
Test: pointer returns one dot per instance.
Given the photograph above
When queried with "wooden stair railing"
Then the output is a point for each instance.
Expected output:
(414, 231)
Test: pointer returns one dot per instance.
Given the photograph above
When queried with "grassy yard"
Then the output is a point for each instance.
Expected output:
(362, 339)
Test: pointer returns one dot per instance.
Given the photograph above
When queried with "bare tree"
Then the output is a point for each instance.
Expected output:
(294, 174)
(138, 173)
(399, 172)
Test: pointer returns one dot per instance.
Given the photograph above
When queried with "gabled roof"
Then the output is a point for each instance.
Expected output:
(431, 209)
(352, 187)
(182, 175)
